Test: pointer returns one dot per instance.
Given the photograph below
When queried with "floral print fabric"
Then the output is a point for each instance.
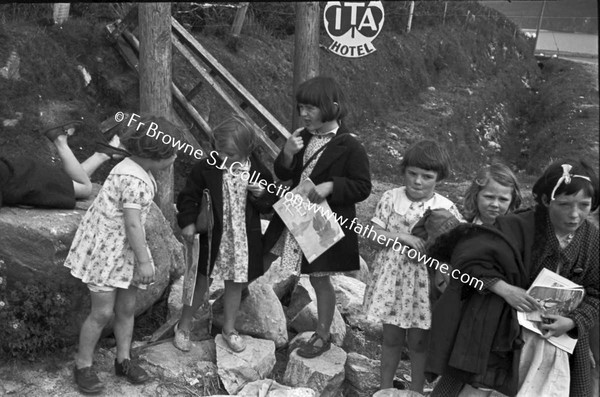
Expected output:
(398, 291)
(100, 253)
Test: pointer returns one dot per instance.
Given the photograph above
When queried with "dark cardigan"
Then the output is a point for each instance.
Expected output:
(204, 175)
(25, 181)
(345, 163)
(531, 236)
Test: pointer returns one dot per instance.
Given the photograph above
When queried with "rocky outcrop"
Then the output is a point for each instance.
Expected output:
(362, 376)
(35, 244)
(270, 388)
(323, 374)
(238, 369)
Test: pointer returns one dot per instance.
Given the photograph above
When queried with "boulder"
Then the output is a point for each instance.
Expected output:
(323, 374)
(349, 293)
(35, 243)
(281, 279)
(238, 369)
(397, 393)
(362, 375)
(270, 388)
(260, 315)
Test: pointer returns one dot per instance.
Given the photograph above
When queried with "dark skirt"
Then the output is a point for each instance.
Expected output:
(25, 181)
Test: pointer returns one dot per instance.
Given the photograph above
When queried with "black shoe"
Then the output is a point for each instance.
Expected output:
(87, 381)
(134, 373)
(315, 346)
(111, 151)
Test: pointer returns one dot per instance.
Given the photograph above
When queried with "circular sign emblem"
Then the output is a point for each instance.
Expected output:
(353, 25)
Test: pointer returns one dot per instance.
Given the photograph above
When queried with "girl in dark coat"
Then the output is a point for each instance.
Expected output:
(342, 177)
(236, 250)
(490, 351)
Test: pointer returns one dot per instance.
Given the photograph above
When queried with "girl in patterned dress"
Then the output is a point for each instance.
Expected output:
(341, 174)
(109, 252)
(398, 291)
(238, 198)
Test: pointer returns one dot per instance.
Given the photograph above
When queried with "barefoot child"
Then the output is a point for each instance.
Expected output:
(236, 249)
(398, 292)
(110, 254)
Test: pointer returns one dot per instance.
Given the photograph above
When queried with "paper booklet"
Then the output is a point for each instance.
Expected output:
(557, 295)
(313, 225)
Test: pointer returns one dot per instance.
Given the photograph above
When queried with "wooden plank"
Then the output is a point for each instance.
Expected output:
(193, 92)
(270, 147)
(207, 58)
(203, 125)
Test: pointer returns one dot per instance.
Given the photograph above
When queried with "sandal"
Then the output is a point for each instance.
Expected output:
(65, 129)
(234, 341)
(312, 348)
(111, 151)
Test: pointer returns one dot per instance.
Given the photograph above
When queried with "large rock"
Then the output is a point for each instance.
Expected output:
(303, 315)
(349, 294)
(270, 388)
(324, 373)
(260, 315)
(281, 279)
(362, 375)
(397, 393)
(35, 244)
(238, 369)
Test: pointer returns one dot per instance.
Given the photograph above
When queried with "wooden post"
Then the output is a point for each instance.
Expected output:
(306, 47)
(238, 22)
(445, 9)
(410, 16)
(155, 85)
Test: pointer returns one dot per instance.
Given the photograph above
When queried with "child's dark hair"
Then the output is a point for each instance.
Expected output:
(141, 137)
(324, 93)
(543, 187)
(235, 134)
(428, 155)
(501, 174)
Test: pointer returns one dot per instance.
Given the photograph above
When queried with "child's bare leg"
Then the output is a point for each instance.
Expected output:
(417, 345)
(72, 167)
(91, 164)
(187, 312)
(391, 351)
(124, 318)
(102, 310)
(325, 304)
(231, 304)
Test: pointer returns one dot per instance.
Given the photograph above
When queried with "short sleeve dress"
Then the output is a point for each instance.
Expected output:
(100, 253)
(398, 290)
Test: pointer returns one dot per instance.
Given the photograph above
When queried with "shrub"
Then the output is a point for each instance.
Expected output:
(31, 317)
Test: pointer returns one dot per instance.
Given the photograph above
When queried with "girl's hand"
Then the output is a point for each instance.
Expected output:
(320, 192)
(517, 297)
(557, 327)
(256, 189)
(188, 233)
(144, 273)
(294, 143)
(414, 242)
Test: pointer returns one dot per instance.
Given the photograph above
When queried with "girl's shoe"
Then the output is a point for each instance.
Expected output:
(315, 346)
(87, 381)
(182, 339)
(234, 341)
(54, 132)
(111, 151)
(133, 372)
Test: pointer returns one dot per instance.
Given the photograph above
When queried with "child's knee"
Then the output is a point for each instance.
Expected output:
(101, 316)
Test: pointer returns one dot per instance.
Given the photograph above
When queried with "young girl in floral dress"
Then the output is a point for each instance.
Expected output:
(398, 291)
(110, 254)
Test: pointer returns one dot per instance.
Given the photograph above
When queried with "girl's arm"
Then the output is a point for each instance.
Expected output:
(405, 238)
(134, 230)
(355, 186)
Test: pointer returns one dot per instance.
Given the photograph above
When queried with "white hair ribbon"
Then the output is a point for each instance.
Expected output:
(566, 178)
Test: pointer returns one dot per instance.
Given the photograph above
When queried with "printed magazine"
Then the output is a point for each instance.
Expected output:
(313, 225)
(557, 295)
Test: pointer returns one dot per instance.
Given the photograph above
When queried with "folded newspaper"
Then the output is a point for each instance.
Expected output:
(313, 225)
(557, 295)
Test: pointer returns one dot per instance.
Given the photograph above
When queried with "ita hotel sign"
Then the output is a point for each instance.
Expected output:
(353, 25)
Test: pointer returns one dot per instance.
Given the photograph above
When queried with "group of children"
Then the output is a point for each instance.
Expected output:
(110, 254)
